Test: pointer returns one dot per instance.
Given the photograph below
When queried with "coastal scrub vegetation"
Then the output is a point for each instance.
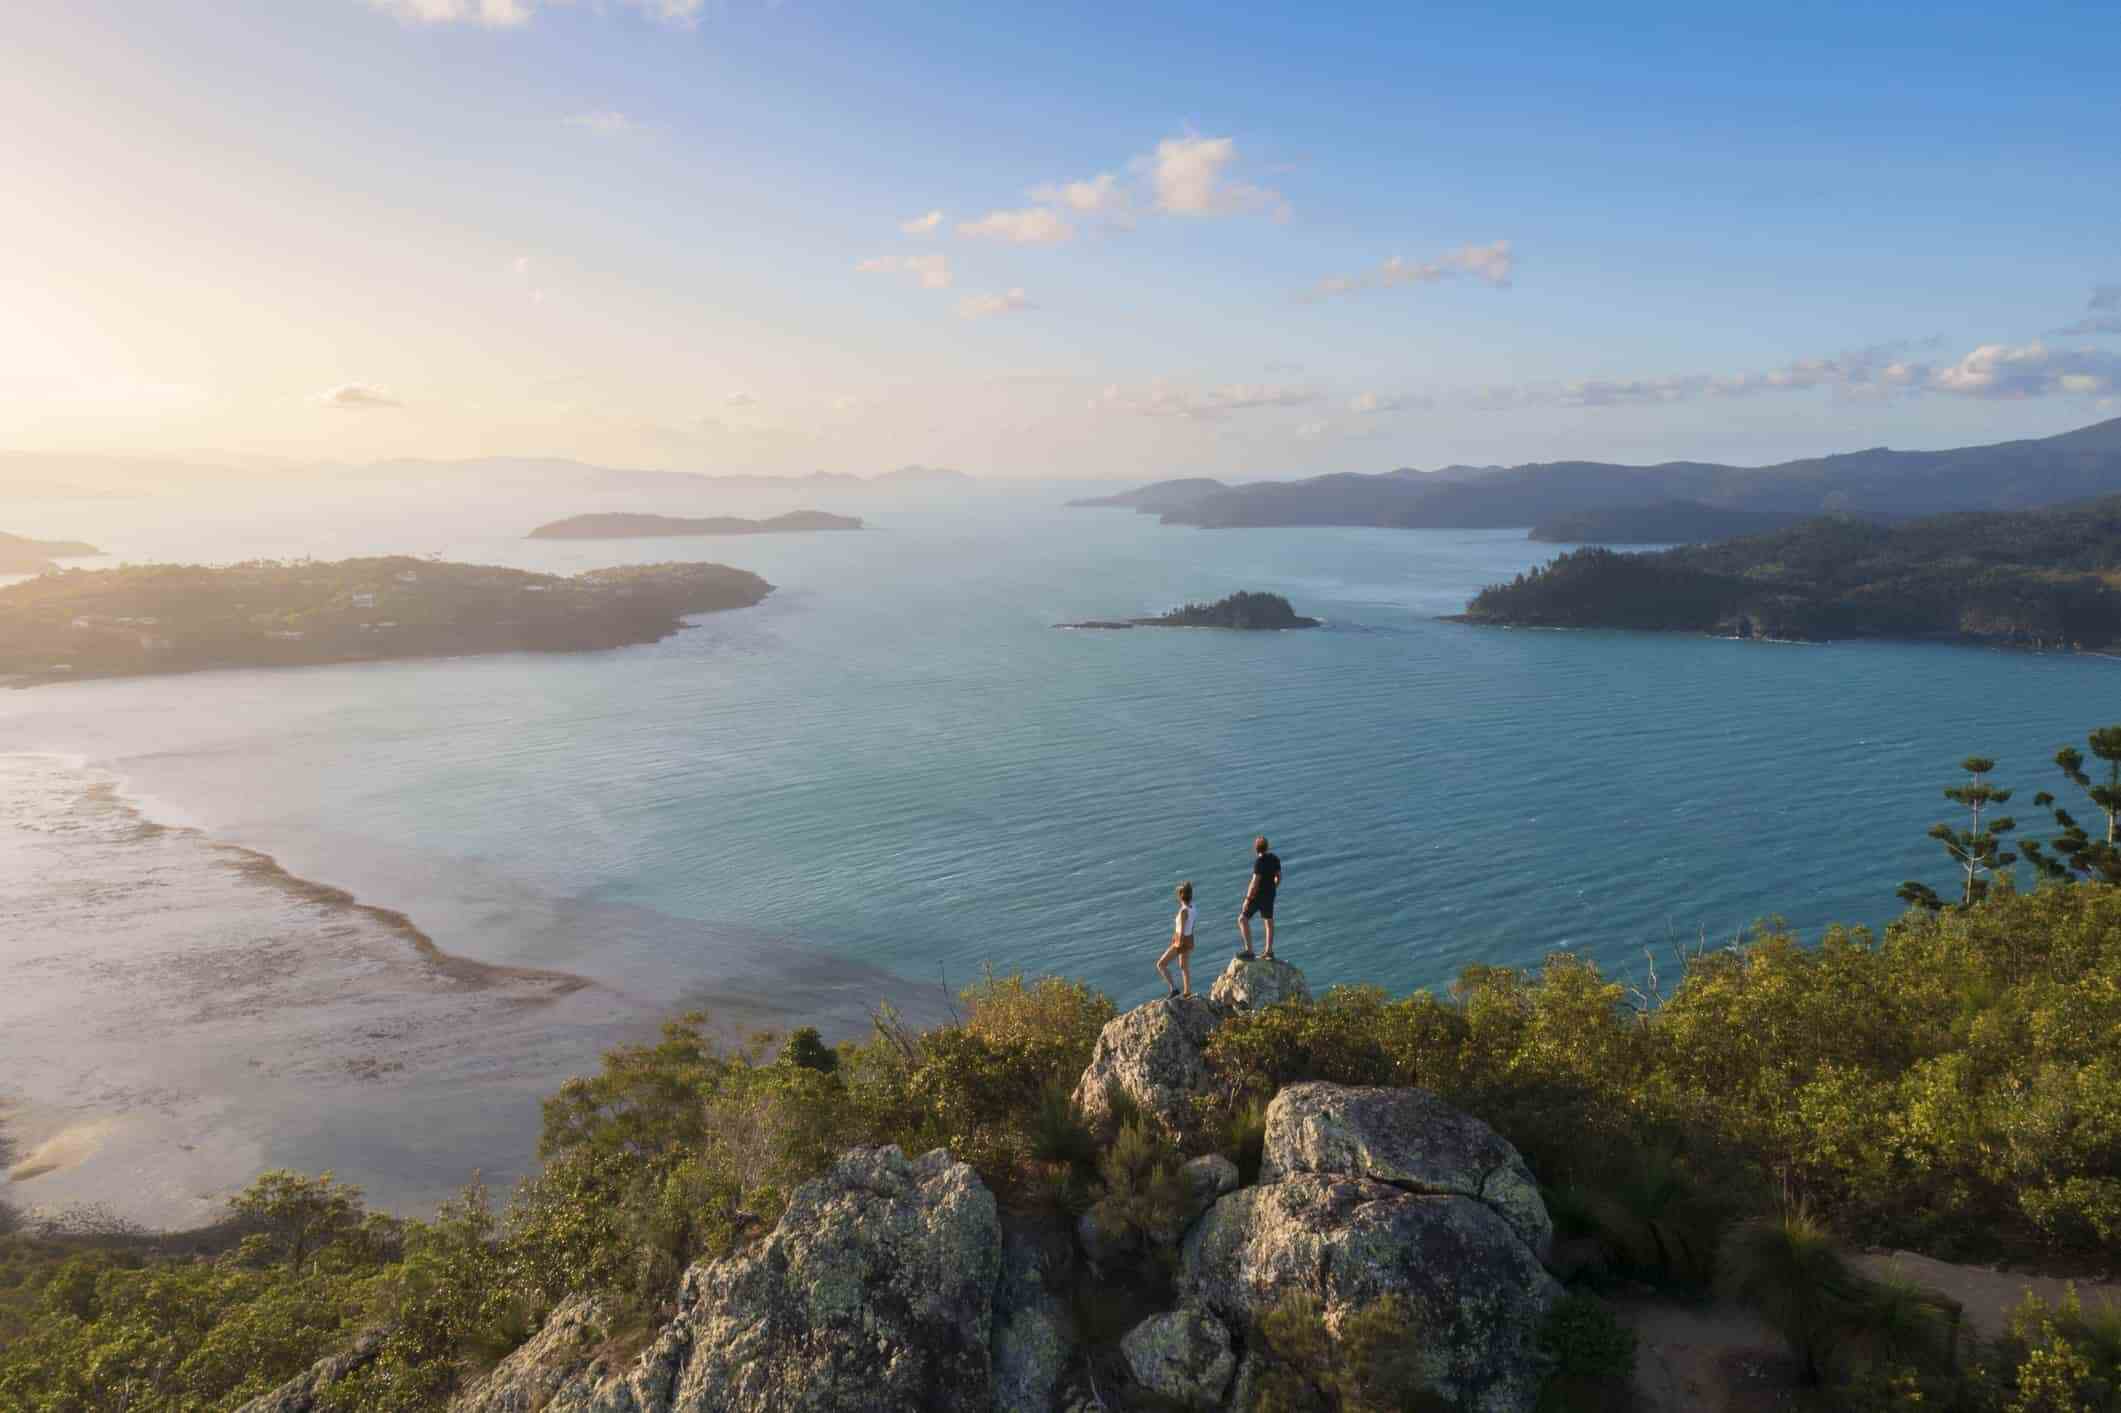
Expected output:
(2037, 577)
(1951, 1086)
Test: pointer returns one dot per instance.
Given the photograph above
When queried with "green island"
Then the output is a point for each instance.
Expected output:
(624, 526)
(1667, 522)
(1259, 1200)
(160, 618)
(2036, 578)
(19, 555)
(1244, 610)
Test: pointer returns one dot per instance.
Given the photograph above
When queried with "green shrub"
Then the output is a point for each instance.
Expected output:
(1583, 1337)
(1790, 1270)
(1369, 1360)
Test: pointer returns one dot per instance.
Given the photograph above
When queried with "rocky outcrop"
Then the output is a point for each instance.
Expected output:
(1034, 1338)
(876, 1290)
(1410, 1139)
(1257, 984)
(1208, 1178)
(306, 1391)
(563, 1352)
(1392, 1222)
(1152, 1056)
(1183, 1355)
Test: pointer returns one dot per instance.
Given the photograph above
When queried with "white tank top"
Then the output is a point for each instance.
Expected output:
(1184, 921)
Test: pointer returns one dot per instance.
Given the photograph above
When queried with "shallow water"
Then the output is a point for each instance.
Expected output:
(897, 761)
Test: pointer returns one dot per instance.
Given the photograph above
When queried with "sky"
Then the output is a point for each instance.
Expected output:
(1124, 241)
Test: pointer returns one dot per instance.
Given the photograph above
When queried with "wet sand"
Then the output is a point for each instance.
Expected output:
(181, 1014)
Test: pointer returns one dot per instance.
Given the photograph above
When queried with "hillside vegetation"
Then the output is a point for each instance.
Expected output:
(180, 618)
(1952, 1086)
(2046, 577)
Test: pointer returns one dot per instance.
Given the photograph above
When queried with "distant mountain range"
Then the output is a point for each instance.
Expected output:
(1876, 483)
(40, 476)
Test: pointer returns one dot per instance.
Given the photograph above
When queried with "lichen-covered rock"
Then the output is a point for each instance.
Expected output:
(1151, 1054)
(1208, 1178)
(562, 1352)
(306, 1391)
(1183, 1355)
(876, 1290)
(1475, 1291)
(1257, 984)
(1410, 1139)
(1034, 1339)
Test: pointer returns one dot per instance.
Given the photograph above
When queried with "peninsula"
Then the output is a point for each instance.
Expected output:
(620, 526)
(19, 555)
(2042, 578)
(1245, 610)
(1668, 522)
(163, 618)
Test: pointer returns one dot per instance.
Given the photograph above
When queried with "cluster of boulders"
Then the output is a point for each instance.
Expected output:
(895, 1283)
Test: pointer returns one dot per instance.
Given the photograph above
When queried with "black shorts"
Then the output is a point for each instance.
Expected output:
(1263, 905)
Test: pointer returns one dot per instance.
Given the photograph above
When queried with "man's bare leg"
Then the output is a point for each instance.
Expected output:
(1270, 938)
(1244, 930)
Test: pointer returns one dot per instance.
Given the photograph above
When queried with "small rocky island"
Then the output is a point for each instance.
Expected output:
(1252, 612)
(637, 527)
(19, 555)
(161, 618)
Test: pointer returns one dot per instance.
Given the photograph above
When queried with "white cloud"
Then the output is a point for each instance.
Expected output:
(1035, 225)
(606, 122)
(1101, 195)
(1190, 178)
(1163, 399)
(922, 225)
(931, 271)
(356, 397)
(2029, 370)
(1492, 263)
(986, 306)
(741, 399)
(505, 14)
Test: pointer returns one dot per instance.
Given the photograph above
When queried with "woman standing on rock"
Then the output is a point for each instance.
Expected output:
(1181, 943)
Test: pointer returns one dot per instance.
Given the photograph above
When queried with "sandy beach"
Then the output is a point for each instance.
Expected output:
(181, 1014)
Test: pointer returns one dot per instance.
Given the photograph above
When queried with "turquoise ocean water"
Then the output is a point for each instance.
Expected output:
(898, 760)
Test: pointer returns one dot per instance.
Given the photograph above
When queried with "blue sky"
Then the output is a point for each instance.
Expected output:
(669, 232)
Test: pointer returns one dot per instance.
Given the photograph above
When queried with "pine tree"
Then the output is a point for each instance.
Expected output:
(2075, 850)
(1978, 849)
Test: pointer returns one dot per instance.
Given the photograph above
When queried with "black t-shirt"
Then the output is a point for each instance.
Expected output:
(1266, 868)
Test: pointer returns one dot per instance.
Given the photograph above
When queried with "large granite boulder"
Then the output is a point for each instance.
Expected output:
(876, 1290)
(1152, 1055)
(1410, 1139)
(1183, 1355)
(1257, 984)
(562, 1352)
(1471, 1277)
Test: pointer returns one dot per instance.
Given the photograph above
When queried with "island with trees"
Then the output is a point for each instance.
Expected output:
(20, 555)
(1245, 610)
(623, 526)
(1668, 522)
(2044, 578)
(162, 618)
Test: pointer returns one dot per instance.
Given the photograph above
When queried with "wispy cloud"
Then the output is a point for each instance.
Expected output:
(606, 122)
(356, 397)
(1165, 399)
(1491, 264)
(922, 225)
(1997, 370)
(506, 14)
(1101, 196)
(1034, 225)
(2103, 316)
(986, 306)
(929, 271)
(741, 399)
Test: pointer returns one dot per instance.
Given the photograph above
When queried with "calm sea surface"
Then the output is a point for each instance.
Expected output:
(897, 760)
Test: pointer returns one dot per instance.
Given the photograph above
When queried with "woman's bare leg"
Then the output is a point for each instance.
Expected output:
(1163, 965)
(1185, 969)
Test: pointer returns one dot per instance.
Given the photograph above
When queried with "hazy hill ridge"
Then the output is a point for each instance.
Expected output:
(624, 526)
(20, 555)
(2006, 476)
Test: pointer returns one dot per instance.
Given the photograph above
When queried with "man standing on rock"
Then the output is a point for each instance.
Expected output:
(1259, 897)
